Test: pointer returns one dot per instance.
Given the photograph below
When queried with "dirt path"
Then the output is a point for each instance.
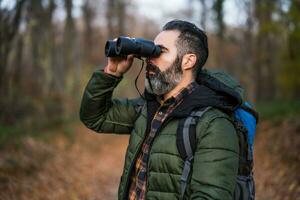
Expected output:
(277, 161)
(89, 166)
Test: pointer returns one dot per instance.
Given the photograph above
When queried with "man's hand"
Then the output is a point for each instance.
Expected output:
(117, 66)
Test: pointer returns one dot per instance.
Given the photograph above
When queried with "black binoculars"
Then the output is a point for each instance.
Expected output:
(137, 46)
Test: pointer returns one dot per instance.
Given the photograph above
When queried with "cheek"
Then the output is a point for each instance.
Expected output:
(169, 56)
(165, 61)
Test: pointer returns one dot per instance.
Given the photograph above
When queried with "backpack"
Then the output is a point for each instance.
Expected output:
(245, 120)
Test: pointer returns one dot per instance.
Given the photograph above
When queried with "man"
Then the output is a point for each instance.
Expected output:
(153, 166)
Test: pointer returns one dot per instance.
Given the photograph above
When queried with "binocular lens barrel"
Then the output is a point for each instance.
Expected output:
(126, 46)
(110, 48)
(137, 46)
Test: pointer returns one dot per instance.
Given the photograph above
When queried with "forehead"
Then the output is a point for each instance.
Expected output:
(167, 38)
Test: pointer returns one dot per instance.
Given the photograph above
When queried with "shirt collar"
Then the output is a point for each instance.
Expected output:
(180, 95)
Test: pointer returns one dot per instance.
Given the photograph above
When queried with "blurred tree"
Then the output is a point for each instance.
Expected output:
(116, 17)
(265, 53)
(121, 15)
(247, 51)
(88, 16)
(10, 21)
(37, 15)
(218, 8)
(110, 18)
(69, 39)
(290, 72)
(57, 68)
(203, 14)
(43, 57)
(55, 81)
(72, 60)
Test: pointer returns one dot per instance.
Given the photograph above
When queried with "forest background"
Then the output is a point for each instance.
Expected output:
(49, 49)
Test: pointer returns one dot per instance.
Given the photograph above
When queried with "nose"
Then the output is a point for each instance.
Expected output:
(151, 60)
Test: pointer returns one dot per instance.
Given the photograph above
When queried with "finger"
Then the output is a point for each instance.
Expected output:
(113, 68)
(112, 65)
(130, 57)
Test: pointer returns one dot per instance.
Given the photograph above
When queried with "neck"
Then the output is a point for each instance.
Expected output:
(185, 81)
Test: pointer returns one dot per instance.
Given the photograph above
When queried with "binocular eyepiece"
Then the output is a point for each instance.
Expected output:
(137, 46)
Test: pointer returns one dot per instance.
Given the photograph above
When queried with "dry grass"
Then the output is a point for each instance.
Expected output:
(277, 161)
(89, 166)
(87, 169)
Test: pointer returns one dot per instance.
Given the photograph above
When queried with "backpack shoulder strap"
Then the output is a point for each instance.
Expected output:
(186, 143)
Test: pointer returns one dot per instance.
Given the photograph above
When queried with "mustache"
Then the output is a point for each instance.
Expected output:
(153, 68)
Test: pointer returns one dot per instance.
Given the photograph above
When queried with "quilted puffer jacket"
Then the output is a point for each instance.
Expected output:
(215, 164)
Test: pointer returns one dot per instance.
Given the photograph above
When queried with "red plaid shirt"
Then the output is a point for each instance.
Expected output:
(139, 176)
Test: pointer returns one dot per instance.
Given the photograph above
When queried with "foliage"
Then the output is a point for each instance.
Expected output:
(290, 72)
(278, 110)
(46, 62)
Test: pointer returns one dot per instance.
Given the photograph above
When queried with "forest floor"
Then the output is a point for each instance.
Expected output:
(88, 166)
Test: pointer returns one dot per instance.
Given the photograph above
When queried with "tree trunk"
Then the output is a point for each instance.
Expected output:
(203, 14)
(265, 51)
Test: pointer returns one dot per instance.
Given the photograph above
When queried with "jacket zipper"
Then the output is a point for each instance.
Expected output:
(158, 130)
(125, 193)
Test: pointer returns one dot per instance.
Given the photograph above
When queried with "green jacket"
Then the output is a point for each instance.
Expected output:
(215, 164)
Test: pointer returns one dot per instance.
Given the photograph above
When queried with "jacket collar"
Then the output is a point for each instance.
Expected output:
(214, 94)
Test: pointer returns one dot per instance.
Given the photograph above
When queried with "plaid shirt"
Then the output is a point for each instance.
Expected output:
(139, 179)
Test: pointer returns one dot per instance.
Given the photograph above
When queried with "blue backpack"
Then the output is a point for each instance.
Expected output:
(245, 120)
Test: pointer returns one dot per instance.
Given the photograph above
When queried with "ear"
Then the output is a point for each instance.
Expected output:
(188, 61)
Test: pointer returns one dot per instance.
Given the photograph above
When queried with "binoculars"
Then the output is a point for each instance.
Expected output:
(124, 46)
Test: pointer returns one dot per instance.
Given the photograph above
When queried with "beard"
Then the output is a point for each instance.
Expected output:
(163, 82)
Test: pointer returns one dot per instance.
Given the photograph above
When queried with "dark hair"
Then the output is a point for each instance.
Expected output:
(191, 40)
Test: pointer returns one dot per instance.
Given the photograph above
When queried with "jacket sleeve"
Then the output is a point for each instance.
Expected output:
(215, 165)
(100, 112)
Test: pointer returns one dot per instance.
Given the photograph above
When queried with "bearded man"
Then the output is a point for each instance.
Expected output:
(153, 166)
